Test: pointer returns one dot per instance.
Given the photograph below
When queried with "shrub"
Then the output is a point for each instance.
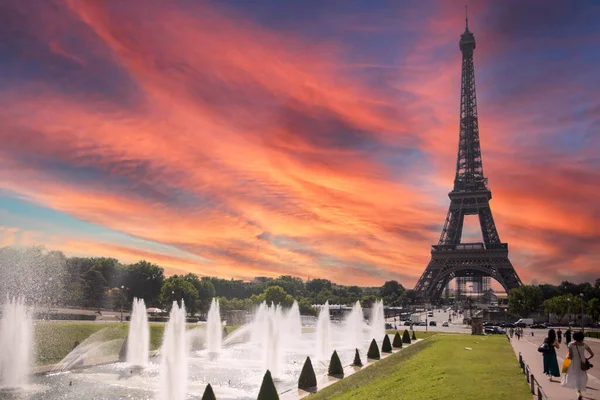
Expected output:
(224, 335)
(335, 366)
(267, 389)
(373, 352)
(406, 337)
(64, 317)
(123, 351)
(308, 379)
(386, 346)
(397, 343)
(357, 361)
(208, 393)
(414, 337)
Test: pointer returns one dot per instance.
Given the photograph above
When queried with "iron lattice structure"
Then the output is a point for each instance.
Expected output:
(471, 196)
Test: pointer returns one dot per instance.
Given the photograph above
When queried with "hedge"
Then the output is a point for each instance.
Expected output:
(64, 317)
(373, 352)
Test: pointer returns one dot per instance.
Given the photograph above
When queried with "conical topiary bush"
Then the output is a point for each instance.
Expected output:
(414, 337)
(335, 366)
(406, 337)
(357, 361)
(267, 389)
(208, 393)
(386, 346)
(397, 342)
(373, 352)
(308, 379)
(224, 334)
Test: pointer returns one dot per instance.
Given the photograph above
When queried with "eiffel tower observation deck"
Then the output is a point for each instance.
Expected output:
(451, 258)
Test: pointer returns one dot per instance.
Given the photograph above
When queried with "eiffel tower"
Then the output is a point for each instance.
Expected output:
(450, 258)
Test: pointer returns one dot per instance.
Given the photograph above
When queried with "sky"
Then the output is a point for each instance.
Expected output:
(310, 138)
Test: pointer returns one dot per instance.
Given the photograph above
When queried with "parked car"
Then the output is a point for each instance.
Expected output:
(489, 324)
(432, 323)
(539, 326)
(407, 323)
(494, 330)
(389, 326)
(445, 324)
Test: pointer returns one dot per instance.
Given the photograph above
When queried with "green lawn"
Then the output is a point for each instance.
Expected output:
(439, 368)
(55, 339)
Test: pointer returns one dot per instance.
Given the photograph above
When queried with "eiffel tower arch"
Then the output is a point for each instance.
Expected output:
(470, 196)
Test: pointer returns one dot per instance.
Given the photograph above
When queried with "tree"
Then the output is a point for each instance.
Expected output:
(267, 388)
(209, 394)
(206, 291)
(373, 351)
(144, 281)
(317, 285)
(335, 366)
(177, 288)
(308, 379)
(386, 347)
(357, 361)
(397, 341)
(306, 307)
(524, 300)
(593, 309)
(367, 301)
(276, 295)
(406, 337)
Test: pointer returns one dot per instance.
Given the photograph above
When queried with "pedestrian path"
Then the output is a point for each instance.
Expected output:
(528, 345)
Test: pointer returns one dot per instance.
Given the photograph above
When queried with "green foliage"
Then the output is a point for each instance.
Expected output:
(335, 366)
(177, 288)
(373, 352)
(367, 301)
(144, 281)
(276, 295)
(525, 300)
(206, 292)
(209, 394)
(561, 305)
(593, 309)
(386, 346)
(393, 293)
(414, 335)
(308, 379)
(406, 337)
(267, 389)
(306, 307)
(397, 343)
(357, 361)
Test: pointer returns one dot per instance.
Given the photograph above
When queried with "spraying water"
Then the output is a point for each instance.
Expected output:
(324, 333)
(174, 362)
(377, 321)
(354, 325)
(138, 339)
(292, 326)
(15, 344)
(214, 333)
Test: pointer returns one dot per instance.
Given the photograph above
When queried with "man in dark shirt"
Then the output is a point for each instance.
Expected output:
(568, 336)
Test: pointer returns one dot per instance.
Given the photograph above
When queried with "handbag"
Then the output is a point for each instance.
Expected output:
(544, 348)
(565, 366)
(585, 364)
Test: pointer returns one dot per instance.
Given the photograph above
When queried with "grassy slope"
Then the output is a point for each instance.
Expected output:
(439, 368)
(54, 340)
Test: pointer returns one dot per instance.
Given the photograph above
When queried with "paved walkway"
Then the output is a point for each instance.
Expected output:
(527, 346)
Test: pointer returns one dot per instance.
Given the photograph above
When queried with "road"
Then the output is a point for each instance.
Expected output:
(456, 325)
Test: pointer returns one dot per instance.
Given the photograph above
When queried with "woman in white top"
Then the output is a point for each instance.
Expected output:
(576, 378)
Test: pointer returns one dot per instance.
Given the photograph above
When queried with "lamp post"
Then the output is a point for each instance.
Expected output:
(582, 303)
(122, 296)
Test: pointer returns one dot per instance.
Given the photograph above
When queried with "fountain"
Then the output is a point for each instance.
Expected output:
(324, 334)
(354, 326)
(15, 344)
(138, 339)
(214, 333)
(174, 361)
(292, 326)
(377, 321)
(270, 345)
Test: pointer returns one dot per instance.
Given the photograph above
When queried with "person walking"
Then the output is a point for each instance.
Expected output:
(550, 360)
(568, 336)
(559, 336)
(576, 377)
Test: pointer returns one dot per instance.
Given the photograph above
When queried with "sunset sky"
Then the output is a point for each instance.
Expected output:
(312, 138)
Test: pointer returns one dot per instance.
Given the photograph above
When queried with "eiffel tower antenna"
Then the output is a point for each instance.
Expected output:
(451, 258)
(466, 18)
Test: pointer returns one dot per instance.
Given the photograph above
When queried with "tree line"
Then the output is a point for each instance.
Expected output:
(49, 278)
(559, 300)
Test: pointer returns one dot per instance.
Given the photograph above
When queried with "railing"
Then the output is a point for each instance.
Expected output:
(533, 383)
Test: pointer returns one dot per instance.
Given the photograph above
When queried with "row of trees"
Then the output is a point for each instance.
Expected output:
(52, 279)
(561, 300)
